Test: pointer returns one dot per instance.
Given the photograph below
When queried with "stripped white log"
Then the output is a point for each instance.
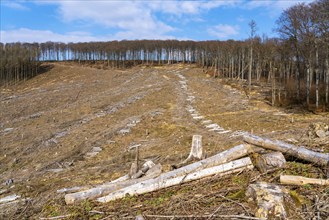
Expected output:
(111, 186)
(164, 182)
(223, 157)
(9, 198)
(120, 179)
(72, 189)
(300, 180)
(299, 152)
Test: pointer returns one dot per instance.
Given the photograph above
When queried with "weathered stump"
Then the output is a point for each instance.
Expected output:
(269, 199)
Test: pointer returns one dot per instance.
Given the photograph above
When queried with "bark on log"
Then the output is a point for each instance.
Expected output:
(299, 152)
(106, 188)
(300, 180)
(223, 157)
(165, 181)
(269, 162)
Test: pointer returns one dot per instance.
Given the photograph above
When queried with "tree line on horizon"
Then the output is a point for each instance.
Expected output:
(295, 64)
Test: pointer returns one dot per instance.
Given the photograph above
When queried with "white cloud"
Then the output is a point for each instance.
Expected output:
(130, 17)
(274, 5)
(188, 7)
(30, 36)
(223, 31)
(135, 19)
(14, 5)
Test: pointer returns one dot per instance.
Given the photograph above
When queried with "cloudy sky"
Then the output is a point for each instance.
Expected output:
(105, 20)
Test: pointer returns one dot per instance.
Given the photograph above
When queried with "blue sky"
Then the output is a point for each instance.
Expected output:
(106, 20)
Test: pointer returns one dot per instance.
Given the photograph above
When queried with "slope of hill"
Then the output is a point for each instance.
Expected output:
(52, 125)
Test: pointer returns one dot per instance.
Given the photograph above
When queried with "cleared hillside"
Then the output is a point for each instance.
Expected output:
(51, 124)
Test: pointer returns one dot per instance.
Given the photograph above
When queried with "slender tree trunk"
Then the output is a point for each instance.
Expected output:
(250, 69)
(317, 77)
(308, 85)
(327, 80)
(272, 73)
(242, 67)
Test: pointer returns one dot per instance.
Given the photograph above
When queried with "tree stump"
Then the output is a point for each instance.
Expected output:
(195, 153)
(269, 198)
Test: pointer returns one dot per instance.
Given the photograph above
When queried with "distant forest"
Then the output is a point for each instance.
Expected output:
(295, 64)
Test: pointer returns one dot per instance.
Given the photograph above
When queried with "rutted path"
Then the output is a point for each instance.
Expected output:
(196, 115)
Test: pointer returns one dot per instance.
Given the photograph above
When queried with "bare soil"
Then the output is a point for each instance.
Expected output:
(50, 124)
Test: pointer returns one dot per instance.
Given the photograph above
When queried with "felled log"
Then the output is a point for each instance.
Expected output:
(111, 186)
(106, 188)
(269, 199)
(164, 181)
(223, 157)
(269, 162)
(70, 190)
(300, 180)
(299, 152)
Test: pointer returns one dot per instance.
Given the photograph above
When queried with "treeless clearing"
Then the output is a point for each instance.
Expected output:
(50, 123)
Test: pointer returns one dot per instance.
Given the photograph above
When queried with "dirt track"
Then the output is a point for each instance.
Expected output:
(50, 125)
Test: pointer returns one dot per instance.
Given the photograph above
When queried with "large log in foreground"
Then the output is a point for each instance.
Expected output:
(163, 181)
(106, 188)
(299, 152)
(220, 158)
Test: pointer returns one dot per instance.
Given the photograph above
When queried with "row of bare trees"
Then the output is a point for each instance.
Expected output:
(305, 31)
(18, 62)
(295, 65)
